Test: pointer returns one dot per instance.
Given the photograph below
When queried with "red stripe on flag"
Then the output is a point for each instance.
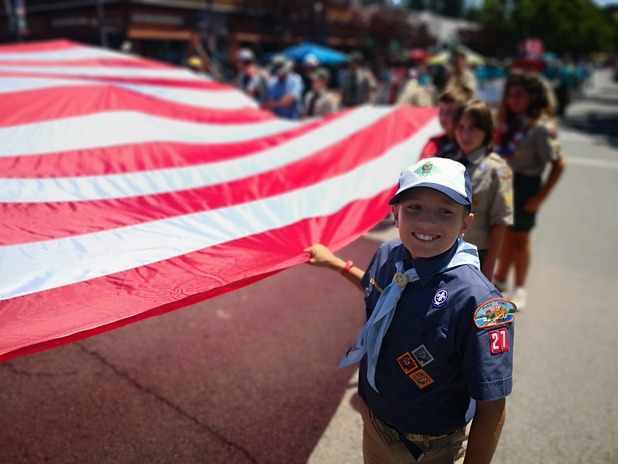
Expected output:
(63, 315)
(155, 155)
(189, 83)
(25, 223)
(64, 102)
(92, 63)
(41, 46)
(129, 158)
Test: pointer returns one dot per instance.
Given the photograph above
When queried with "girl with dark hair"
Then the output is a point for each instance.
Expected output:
(525, 140)
(491, 178)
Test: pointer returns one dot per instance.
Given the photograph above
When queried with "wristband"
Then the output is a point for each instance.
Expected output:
(347, 267)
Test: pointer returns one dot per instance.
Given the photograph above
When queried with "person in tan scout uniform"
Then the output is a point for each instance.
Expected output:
(401, 88)
(491, 179)
(319, 101)
(357, 82)
(531, 148)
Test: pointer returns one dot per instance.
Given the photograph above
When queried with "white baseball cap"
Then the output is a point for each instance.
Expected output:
(311, 60)
(245, 54)
(444, 175)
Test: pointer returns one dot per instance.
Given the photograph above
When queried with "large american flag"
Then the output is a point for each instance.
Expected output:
(130, 188)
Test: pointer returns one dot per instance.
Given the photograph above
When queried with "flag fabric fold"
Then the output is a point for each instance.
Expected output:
(131, 188)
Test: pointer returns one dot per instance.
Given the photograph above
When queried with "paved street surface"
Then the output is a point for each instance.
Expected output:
(251, 376)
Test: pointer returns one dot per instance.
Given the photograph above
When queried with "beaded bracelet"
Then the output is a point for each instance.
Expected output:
(348, 266)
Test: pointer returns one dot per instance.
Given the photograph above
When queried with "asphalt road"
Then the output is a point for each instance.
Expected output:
(251, 376)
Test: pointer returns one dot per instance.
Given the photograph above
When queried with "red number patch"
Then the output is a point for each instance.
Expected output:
(498, 341)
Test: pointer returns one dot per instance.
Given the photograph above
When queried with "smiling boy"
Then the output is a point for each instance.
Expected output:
(437, 349)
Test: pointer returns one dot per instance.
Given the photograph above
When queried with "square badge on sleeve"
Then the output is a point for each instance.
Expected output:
(499, 341)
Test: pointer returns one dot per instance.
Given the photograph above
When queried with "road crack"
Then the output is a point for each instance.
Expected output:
(179, 410)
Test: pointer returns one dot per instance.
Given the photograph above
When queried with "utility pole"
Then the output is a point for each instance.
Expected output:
(101, 23)
(16, 15)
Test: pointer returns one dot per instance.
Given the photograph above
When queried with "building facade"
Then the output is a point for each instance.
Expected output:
(170, 29)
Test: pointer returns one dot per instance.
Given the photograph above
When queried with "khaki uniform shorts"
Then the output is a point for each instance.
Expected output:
(381, 444)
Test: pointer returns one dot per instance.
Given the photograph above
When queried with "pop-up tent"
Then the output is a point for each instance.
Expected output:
(327, 56)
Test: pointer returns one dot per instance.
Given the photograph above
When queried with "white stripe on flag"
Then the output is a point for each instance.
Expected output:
(107, 71)
(169, 180)
(25, 84)
(228, 99)
(224, 99)
(125, 127)
(67, 54)
(75, 259)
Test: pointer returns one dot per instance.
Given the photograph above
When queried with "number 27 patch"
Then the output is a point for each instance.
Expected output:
(498, 341)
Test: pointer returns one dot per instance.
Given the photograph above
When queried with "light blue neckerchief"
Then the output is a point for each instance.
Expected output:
(369, 340)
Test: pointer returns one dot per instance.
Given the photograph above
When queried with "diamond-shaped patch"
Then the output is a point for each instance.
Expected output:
(422, 355)
(421, 379)
(407, 363)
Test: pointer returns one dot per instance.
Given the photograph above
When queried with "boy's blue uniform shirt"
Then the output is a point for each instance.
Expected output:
(434, 359)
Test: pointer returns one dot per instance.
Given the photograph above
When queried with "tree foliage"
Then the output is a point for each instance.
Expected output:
(565, 26)
(573, 27)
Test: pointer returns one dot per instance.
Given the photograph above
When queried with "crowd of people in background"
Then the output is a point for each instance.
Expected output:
(398, 78)
(509, 147)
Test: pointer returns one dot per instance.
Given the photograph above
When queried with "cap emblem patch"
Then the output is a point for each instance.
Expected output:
(427, 169)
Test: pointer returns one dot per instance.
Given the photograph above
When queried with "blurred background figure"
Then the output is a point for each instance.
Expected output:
(459, 72)
(357, 83)
(529, 147)
(309, 66)
(285, 89)
(535, 65)
(401, 88)
(249, 77)
(126, 46)
(197, 65)
(319, 100)
(444, 145)
(530, 59)
(491, 178)
(566, 83)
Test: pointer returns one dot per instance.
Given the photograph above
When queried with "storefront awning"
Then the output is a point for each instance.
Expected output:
(138, 33)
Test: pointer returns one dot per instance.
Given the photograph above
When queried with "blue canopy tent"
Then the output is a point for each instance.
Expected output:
(326, 55)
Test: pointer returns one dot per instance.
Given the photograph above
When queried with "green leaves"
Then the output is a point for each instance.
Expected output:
(564, 26)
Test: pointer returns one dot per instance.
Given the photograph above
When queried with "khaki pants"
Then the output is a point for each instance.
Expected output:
(381, 445)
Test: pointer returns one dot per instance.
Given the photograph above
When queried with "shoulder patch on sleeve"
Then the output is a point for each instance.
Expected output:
(505, 173)
(498, 311)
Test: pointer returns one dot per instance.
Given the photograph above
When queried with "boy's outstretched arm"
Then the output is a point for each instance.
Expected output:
(485, 431)
(323, 257)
